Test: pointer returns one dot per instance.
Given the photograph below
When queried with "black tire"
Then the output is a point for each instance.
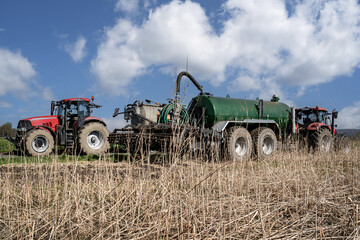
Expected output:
(238, 144)
(322, 140)
(93, 139)
(39, 142)
(265, 142)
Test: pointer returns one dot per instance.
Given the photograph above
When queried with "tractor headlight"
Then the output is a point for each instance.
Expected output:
(22, 129)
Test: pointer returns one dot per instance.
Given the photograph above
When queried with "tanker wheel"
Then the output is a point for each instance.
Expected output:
(93, 139)
(322, 140)
(265, 142)
(238, 144)
(39, 142)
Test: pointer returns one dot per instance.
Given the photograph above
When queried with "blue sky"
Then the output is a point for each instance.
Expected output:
(305, 51)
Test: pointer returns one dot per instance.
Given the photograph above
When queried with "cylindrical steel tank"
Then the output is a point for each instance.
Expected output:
(233, 109)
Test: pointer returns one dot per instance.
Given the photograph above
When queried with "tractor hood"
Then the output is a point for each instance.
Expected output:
(49, 121)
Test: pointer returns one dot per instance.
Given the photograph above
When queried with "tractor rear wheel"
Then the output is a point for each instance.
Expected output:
(265, 142)
(322, 140)
(39, 142)
(93, 139)
(238, 144)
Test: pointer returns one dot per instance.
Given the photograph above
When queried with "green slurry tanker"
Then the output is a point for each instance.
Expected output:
(240, 128)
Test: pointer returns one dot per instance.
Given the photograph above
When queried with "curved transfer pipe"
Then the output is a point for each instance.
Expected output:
(178, 80)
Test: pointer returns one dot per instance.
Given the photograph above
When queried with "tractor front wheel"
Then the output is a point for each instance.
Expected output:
(39, 142)
(93, 139)
(322, 140)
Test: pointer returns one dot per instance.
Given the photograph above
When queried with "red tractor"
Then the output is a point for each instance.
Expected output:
(69, 125)
(316, 125)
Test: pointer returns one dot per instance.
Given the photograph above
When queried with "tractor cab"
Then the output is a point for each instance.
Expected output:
(72, 111)
(70, 124)
(312, 119)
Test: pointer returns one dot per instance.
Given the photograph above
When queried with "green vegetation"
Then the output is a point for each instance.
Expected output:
(6, 146)
(6, 130)
(64, 158)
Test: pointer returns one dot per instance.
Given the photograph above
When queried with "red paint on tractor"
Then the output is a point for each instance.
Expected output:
(49, 121)
(316, 126)
(74, 100)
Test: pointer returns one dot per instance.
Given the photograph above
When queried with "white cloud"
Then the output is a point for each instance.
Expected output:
(244, 83)
(349, 116)
(127, 5)
(2, 29)
(47, 94)
(15, 72)
(5, 104)
(116, 122)
(77, 50)
(258, 41)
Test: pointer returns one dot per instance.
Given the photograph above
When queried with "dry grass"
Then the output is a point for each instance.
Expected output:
(294, 195)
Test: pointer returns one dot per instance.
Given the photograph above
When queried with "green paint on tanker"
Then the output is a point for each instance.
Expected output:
(234, 109)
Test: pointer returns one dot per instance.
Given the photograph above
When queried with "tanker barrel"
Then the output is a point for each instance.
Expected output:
(178, 80)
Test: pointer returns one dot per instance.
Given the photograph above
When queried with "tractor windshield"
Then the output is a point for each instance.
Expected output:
(77, 109)
(311, 116)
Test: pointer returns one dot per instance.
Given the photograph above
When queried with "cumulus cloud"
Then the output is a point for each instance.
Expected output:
(15, 72)
(127, 5)
(77, 50)
(262, 45)
(349, 116)
(47, 93)
(116, 122)
(5, 104)
(244, 83)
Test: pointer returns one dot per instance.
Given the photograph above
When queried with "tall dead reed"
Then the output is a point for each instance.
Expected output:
(293, 195)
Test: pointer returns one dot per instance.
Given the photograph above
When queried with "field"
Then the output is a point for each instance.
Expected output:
(293, 195)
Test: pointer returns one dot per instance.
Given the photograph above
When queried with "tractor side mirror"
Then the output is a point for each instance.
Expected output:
(68, 104)
(335, 114)
(52, 107)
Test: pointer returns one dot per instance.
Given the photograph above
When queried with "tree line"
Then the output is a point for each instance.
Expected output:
(6, 130)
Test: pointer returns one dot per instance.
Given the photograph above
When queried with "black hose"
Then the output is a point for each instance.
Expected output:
(178, 80)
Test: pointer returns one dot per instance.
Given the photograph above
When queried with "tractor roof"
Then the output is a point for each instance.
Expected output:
(310, 108)
(74, 100)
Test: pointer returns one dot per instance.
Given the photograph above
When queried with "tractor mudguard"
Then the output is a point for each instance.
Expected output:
(46, 128)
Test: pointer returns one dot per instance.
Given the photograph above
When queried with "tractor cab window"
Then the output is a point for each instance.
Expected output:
(311, 116)
(60, 110)
(84, 110)
(306, 117)
(73, 109)
(324, 118)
